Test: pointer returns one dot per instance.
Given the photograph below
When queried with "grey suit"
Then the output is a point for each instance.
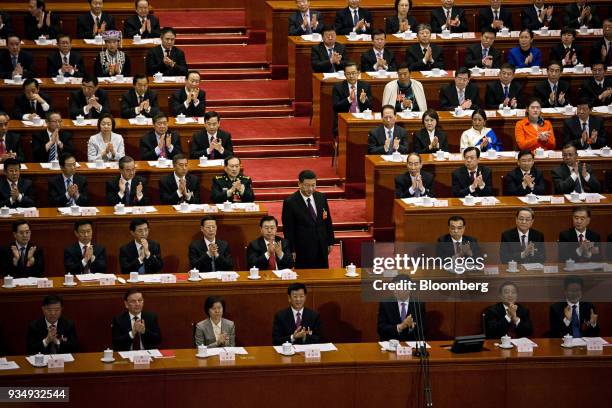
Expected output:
(204, 333)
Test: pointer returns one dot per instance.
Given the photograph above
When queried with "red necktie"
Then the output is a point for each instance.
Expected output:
(580, 237)
(272, 262)
(298, 319)
(353, 108)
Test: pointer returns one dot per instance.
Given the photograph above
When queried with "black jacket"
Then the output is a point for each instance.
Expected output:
(73, 257)
(403, 183)
(132, 25)
(112, 192)
(449, 99)
(148, 143)
(22, 270)
(7, 27)
(32, 32)
(572, 132)
(558, 52)
(592, 90)
(78, 102)
(494, 94)
(474, 56)
(128, 258)
(485, 18)
(168, 187)
(564, 184)
(513, 183)
(340, 102)
(24, 58)
(529, 19)
(295, 21)
(421, 141)
(510, 248)
(122, 326)
(40, 139)
(496, 324)
(12, 143)
(571, 13)
(461, 182)
(154, 62)
(57, 190)
(284, 326)
(26, 189)
(558, 327)
(319, 58)
(37, 331)
(389, 317)
(256, 254)
(199, 259)
(392, 24)
(344, 21)
(222, 183)
(55, 63)
(177, 105)
(446, 249)
(23, 106)
(378, 135)
(415, 54)
(85, 24)
(568, 243)
(542, 91)
(368, 60)
(438, 19)
(200, 144)
(129, 102)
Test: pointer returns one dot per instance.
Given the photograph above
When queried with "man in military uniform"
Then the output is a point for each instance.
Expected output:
(232, 186)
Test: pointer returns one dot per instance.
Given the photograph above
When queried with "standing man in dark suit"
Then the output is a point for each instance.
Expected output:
(135, 329)
(506, 91)
(68, 188)
(328, 56)
(536, 16)
(460, 93)
(141, 255)
(166, 58)
(387, 138)
(40, 21)
(401, 318)
(84, 256)
(305, 20)
(524, 178)
(89, 101)
(297, 324)
(307, 224)
(269, 251)
(49, 144)
(472, 179)
(10, 144)
(579, 242)
(584, 130)
(580, 14)
(179, 186)
(15, 61)
(127, 188)
(65, 61)
(494, 17)
(573, 316)
(142, 23)
(95, 21)
(160, 142)
(573, 175)
(424, 56)
(553, 92)
(210, 254)
(567, 51)
(15, 191)
(213, 142)
(598, 88)
(21, 258)
(449, 18)
(6, 25)
(601, 49)
(522, 244)
(483, 55)
(507, 318)
(232, 186)
(353, 18)
(190, 100)
(455, 244)
(32, 102)
(379, 57)
(52, 333)
(140, 100)
(350, 95)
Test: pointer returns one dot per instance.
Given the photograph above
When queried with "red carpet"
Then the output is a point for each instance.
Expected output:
(281, 127)
(288, 169)
(244, 90)
(255, 53)
(345, 213)
(201, 18)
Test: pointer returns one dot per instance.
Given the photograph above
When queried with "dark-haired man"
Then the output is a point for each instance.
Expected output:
(211, 141)
(584, 130)
(15, 191)
(402, 318)
(296, 324)
(573, 316)
(65, 61)
(160, 141)
(140, 255)
(68, 188)
(210, 254)
(135, 328)
(14, 60)
(472, 179)
(269, 251)
(52, 333)
(95, 22)
(140, 100)
(524, 178)
(179, 186)
(142, 23)
(127, 188)
(579, 242)
(21, 258)
(49, 144)
(89, 101)
(10, 142)
(455, 244)
(32, 102)
(166, 58)
(40, 21)
(84, 256)
(232, 186)
(190, 100)
(523, 244)
(507, 318)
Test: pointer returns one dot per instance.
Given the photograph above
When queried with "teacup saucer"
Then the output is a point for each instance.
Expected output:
(352, 275)
(505, 347)
(202, 355)
(104, 360)
(70, 284)
(254, 277)
(288, 354)
(194, 280)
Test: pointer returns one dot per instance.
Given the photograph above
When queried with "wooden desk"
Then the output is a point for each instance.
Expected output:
(380, 183)
(60, 94)
(97, 178)
(353, 137)
(173, 230)
(343, 378)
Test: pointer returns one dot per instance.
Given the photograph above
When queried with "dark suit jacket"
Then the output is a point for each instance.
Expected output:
(414, 58)
(22, 271)
(449, 99)
(403, 182)
(510, 247)
(112, 192)
(568, 243)
(590, 89)
(564, 184)
(128, 258)
(73, 257)
(572, 132)
(168, 187)
(438, 19)
(132, 25)
(199, 259)
(542, 91)
(37, 331)
(308, 238)
(23, 106)
(392, 24)
(32, 32)
(485, 18)
(474, 56)
(494, 94)
(85, 24)
(319, 58)
(57, 190)
(222, 183)
(148, 143)
(513, 183)
(571, 14)
(25, 188)
(40, 139)
(340, 102)
(256, 254)
(200, 143)
(446, 249)
(596, 52)
(12, 142)
(155, 62)
(284, 326)
(78, 102)
(7, 28)
(177, 106)
(497, 326)
(296, 20)
(129, 101)
(368, 60)
(558, 327)
(529, 19)
(421, 141)
(344, 21)
(122, 326)
(55, 63)
(378, 135)
(558, 52)
(389, 318)
(461, 182)
(100, 71)
(24, 58)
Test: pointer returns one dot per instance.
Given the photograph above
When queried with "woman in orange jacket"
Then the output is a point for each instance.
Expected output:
(533, 131)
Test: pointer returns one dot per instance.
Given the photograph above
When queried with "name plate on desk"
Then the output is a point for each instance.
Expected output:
(557, 200)
(312, 354)
(168, 279)
(44, 283)
(107, 281)
(524, 348)
(592, 199)
(491, 270)
(227, 356)
(55, 362)
(30, 212)
(594, 346)
(488, 201)
(403, 351)
(142, 359)
(440, 203)
(288, 275)
(551, 269)
(228, 277)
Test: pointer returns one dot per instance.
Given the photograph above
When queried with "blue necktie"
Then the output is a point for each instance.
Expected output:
(14, 61)
(506, 91)
(52, 152)
(127, 193)
(575, 323)
(403, 312)
(68, 183)
(355, 18)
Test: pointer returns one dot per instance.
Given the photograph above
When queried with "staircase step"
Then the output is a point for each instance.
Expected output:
(193, 18)
(212, 38)
(254, 111)
(279, 194)
(234, 74)
(242, 103)
(281, 141)
(286, 183)
(260, 151)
